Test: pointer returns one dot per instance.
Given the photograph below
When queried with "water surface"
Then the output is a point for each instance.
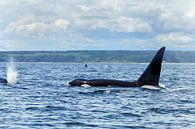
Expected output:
(41, 99)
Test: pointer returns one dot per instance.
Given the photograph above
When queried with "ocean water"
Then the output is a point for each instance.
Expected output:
(41, 99)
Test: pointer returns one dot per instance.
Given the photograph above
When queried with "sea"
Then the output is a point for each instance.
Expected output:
(40, 97)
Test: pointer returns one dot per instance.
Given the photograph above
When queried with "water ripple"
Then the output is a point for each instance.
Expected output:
(42, 99)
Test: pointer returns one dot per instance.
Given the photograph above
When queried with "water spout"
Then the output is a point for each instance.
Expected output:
(11, 73)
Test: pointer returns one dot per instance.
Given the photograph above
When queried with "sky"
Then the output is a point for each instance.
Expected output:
(96, 25)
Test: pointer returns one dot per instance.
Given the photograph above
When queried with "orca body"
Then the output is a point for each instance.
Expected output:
(102, 82)
(150, 77)
(3, 81)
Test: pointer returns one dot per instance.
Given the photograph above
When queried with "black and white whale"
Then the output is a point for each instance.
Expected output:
(3, 81)
(149, 79)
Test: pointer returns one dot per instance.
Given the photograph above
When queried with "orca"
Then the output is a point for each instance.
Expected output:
(3, 81)
(149, 79)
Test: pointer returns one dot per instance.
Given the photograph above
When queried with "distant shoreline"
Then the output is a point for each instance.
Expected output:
(169, 63)
(87, 56)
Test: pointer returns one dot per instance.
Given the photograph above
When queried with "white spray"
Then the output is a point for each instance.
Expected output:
(11, 73)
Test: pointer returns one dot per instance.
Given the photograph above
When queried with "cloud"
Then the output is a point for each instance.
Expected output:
(87, 23)
(7, 45)
(34, 28)
(84, 8)
(61, 23)
(174, 38)
(27, 27)
(121, 24)
(113, 5)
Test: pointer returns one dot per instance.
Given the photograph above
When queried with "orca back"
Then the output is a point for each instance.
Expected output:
(3, 80)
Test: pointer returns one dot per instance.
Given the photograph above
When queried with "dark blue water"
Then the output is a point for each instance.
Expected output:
(42, 99)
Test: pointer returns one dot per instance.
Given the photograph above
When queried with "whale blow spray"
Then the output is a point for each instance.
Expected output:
(11, 73)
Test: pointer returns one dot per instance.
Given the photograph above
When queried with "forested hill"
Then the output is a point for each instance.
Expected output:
(95, 56)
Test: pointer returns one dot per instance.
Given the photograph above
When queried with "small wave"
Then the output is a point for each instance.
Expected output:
(129, 114)
(55, 108)
(157, 110)
(46, 108)
(102, 91)
(33, 108)
(96, 92)
(81, 124)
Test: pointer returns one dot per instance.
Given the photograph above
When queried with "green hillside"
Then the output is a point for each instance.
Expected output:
(95, 56)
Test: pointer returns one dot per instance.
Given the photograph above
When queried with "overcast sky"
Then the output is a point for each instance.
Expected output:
(97, 24)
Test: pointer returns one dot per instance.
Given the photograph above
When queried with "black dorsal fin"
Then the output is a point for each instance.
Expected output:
(152, 73)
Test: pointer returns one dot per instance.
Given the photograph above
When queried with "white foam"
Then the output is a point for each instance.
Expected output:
(151, 87)
(106, 92)
(11, 73)
(162, 85)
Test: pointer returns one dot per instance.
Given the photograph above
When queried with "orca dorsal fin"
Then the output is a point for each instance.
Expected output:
(152, 73)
